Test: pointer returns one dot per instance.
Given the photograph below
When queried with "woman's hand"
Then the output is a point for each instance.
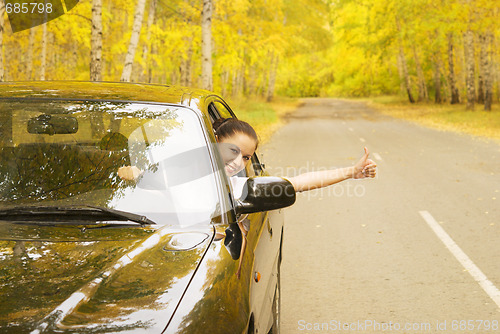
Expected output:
(129, 173)
(365, 167)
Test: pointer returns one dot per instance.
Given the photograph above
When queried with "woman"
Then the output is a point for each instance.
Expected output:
(233, 132)
(238, 142)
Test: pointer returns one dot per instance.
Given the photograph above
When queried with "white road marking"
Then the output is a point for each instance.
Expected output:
(377, 156)
(466, 262)
(362, 140)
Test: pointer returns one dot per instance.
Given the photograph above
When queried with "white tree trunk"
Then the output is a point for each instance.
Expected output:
(488, 69)
(43, 65)
(147, 45)
(96, 42)
(455, 97)
(423, 95)
(31, 47)
(437, 77)
(495, 67)
(206, 45)
(402, 85)
(272, 77)
(2, 9)
(185, 67)
(134, 40)
(481, 69)
(469, 69)
(404, 65)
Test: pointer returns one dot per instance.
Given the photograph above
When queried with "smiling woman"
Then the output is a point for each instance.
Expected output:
(232, 131)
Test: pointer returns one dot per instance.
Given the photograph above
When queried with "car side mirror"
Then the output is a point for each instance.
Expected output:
(265, 193)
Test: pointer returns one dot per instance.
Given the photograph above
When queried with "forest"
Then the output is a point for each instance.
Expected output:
(446, 51)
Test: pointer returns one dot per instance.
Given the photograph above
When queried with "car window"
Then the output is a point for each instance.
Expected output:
(69, 153)
(222, 109)
(256, 166)
(250, 170)
(219, 109)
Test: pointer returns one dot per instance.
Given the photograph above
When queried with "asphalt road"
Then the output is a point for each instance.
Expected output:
(362, 255)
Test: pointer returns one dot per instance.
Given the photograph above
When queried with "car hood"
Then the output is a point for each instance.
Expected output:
(96, 280)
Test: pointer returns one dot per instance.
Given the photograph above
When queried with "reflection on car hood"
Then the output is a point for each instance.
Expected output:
(67, 278)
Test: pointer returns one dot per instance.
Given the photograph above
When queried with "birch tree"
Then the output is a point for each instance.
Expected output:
(273, 66)
(422, 87)
(487, 71)
(455, 97)
(2, 10)
(437, 78)
(134, 40)
(481, 69)
(29, 62)
(185, 67)
(206, 45)
(96, 42)
(469, 69)
(43, 65)
(342, 48)
(146, 48)
(404, 66)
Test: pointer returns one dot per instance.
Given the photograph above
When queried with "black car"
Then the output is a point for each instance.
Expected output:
(83, 250)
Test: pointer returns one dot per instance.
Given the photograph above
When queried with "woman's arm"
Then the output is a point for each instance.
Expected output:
(312, 180)
(320, 179)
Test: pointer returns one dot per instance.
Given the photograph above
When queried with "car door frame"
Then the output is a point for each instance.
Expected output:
(262, 241)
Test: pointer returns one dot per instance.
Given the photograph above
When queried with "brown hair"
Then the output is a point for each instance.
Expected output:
(227, 127)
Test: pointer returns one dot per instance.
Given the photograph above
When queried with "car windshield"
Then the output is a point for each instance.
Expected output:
(67, 154)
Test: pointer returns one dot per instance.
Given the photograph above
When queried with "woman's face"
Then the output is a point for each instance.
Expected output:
(236, 151)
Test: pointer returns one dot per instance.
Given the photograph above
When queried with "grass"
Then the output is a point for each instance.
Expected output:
(443, 116)
(265, 117)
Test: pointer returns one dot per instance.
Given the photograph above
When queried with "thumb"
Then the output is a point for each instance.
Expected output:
(367, 153)
(362, 162)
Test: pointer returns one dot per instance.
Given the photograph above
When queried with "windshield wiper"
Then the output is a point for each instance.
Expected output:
(34, 212)
(134, 217)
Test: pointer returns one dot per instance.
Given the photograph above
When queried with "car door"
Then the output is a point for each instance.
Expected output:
(263, 248)
(266, 229)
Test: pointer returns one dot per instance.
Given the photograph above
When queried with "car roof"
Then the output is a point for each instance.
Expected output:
(108, 91)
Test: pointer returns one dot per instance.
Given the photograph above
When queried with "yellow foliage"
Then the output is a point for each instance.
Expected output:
(308, 47)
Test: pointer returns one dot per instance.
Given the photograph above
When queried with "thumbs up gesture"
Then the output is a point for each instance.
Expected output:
(365, 167)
